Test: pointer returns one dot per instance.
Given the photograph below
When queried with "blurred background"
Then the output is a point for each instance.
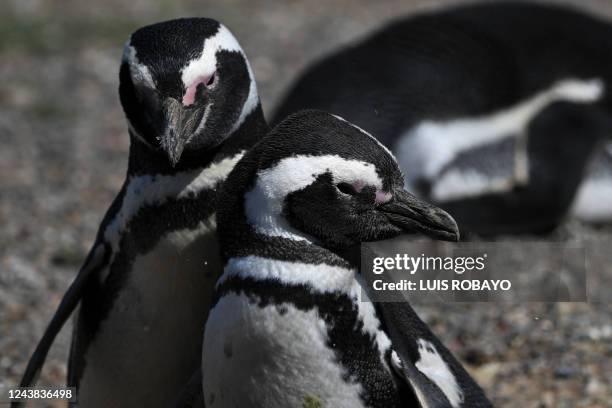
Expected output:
(63, 145)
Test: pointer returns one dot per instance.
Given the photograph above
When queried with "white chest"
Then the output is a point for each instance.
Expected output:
(272, 357)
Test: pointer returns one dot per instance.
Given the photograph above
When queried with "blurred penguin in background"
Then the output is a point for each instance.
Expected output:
(500, 113)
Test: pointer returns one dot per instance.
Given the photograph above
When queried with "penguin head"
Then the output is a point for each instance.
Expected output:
(185, 85)
(317, 177)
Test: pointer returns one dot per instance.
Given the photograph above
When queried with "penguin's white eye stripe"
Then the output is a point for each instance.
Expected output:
(139, 72)
(206, 64)
(367, 134)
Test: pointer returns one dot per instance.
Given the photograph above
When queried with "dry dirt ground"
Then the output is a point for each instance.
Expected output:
(63, 157)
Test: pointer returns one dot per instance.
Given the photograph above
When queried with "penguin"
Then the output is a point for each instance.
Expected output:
(291, 324)
(461, 96)
(191, 103)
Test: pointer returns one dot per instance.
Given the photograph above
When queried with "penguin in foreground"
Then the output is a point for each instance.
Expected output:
(288, 327)
(192, 107)
(494, 111)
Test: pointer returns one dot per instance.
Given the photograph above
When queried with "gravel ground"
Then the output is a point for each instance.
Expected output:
(64, 157)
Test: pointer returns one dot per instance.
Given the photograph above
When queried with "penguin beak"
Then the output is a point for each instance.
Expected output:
(180, 124)
(412, 214)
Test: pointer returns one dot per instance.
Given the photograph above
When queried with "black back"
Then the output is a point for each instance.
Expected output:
(462, 62)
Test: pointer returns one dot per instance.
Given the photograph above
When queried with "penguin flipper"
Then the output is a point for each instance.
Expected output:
(426, 392)
(97, 258)
(192, 395)
(405, 330)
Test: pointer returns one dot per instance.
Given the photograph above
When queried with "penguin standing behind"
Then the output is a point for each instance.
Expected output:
(192, 107)
(288, 327)
(494, 111)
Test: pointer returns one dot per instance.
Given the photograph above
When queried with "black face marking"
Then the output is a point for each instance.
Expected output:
(142, 107)
(200, 96)
(338, 220)
(346, 188)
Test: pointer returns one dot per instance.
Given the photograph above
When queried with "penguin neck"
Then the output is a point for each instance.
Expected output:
(144, 160)
(260, 258)
(241, 240)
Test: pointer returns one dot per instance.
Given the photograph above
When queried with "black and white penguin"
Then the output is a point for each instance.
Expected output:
(289, 326)
(191, 102)
(472, 101)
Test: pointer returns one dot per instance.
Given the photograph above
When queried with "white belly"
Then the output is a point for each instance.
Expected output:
(150, 344)
(271, 357)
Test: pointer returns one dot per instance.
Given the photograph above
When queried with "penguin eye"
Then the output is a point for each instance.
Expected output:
(346, 188)
(211, 79)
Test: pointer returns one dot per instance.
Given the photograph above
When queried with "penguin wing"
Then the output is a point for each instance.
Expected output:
(492, 168)
(96, 260)
(426, 392)
(425, 365)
